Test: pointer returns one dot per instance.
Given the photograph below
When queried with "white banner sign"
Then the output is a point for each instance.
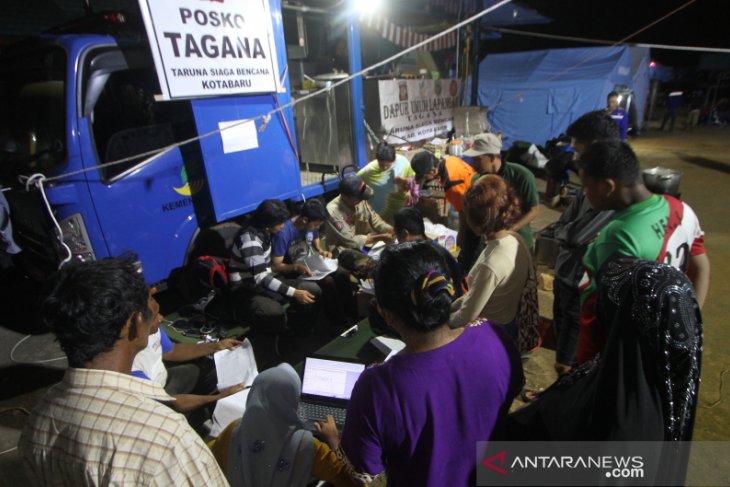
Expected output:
(417, 109)
(209, 48)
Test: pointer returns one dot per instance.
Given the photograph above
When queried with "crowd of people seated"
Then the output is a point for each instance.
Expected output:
(631, 278)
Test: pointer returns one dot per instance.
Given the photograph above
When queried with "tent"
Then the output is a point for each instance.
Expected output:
(534, 96)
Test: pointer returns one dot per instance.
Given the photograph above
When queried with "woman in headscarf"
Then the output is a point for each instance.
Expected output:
(418, 416)
(269, 446)
(644, 385)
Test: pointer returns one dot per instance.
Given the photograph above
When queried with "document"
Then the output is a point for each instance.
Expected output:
(237, 366)
(238, 135)
(318, 266)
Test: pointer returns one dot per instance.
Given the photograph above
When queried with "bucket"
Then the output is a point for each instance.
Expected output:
(662, 180)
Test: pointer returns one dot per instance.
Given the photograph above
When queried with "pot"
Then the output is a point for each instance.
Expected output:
(456, 148)
(326, 80)
(662, 180)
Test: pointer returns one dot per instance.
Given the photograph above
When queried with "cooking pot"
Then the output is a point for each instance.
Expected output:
(662, 180)
(326, 80)
(456, 148)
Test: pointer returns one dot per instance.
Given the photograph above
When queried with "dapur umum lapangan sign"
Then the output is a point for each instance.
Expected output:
(418, 109)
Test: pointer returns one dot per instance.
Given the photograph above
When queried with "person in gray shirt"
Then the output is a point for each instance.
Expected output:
(575, 229)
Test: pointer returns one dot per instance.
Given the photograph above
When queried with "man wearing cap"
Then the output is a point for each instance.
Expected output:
(353, 224)
(486, 159)
(454, 174)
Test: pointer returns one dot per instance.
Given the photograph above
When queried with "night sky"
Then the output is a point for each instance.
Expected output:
(704, 23)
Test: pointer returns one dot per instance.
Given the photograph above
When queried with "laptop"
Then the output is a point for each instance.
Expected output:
(326, 388)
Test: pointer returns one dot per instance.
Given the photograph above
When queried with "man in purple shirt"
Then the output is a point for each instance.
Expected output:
(618, 114)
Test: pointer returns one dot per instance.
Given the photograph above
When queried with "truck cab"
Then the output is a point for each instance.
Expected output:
(72, 103)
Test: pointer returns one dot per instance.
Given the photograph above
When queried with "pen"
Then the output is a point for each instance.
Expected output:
(349, 332)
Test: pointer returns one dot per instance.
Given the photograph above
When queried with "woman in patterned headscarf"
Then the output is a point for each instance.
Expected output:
(644, 385)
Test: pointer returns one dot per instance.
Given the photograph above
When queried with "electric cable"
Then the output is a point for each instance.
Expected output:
(38, 179)
(589, 58)
(45, 361)
(590, 40)
(156, 153)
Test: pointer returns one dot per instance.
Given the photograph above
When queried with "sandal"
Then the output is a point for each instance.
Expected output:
(529, 395)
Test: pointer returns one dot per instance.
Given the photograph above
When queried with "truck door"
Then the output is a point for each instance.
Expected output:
(143, 207)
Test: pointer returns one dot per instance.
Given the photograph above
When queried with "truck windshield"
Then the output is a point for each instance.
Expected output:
(32, 108)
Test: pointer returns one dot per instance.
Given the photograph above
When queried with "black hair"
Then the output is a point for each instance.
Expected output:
(314, 210)
(611, 95)
(87, 304)
(385, 152)
(402, 285)
(423, 162)
(409, 219)
(593, 126)
(269, 213)
(610, 158)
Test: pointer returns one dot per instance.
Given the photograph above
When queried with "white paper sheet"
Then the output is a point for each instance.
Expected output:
(227, 410)
(239, 138)
(366, 286)
(388, 346)
(376, 250)
(237, 366)
(318, 266)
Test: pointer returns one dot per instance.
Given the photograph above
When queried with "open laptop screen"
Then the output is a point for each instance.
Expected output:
(330, 378)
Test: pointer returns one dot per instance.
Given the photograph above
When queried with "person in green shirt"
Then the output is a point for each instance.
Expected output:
(387, 175)
(645, 226)
(486, 159)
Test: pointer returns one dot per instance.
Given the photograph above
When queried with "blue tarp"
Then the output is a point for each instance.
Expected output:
(535, 95)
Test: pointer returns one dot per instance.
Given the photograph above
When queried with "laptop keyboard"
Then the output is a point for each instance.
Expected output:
(314, 412)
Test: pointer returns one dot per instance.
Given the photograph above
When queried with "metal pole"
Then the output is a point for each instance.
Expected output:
(652, 99)
(475, 65)
(358, 108)
(458, 40)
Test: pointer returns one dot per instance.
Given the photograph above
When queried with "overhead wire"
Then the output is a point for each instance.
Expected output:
(154, 154)
(593, 56)
(590, 40)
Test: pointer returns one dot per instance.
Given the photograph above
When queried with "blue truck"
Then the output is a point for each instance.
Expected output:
(71, 101)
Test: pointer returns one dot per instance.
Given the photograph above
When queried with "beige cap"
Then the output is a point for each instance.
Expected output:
(485, 144)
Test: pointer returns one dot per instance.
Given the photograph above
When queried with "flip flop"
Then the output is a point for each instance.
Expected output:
(529, 395)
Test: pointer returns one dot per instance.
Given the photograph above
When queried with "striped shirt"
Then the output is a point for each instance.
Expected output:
(98, 427)
(250, 264)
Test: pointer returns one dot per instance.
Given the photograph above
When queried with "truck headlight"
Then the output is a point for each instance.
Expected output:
(74, 234)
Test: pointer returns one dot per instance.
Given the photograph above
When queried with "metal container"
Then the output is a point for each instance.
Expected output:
(456, 148)
(662, 180)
